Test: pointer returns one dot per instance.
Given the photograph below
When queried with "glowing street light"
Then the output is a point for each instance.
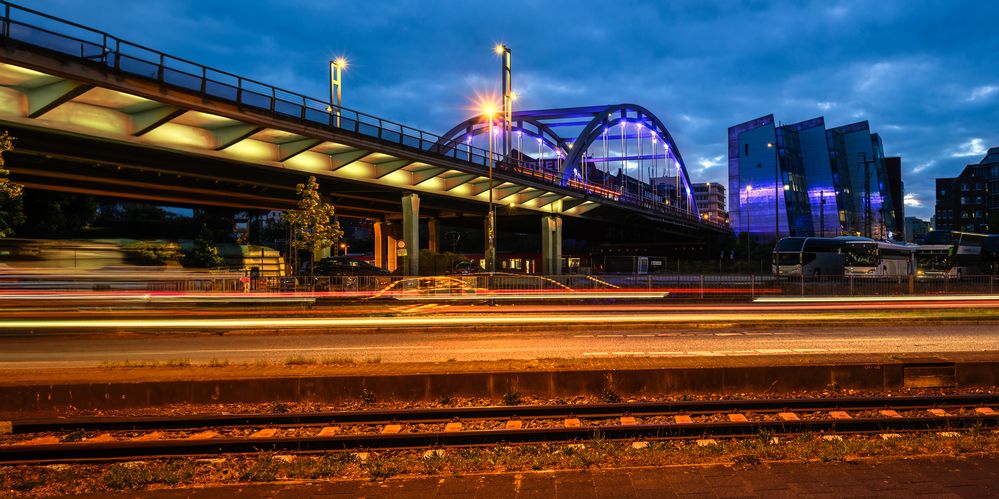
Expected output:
(336, 86)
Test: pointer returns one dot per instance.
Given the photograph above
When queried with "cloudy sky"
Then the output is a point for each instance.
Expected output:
(924, 73)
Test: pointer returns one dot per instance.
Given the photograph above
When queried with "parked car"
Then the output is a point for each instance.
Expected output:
(347, 266)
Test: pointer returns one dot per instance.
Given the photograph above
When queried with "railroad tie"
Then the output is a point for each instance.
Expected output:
(571, 423)
(392, 428)
(514, 424)
(204, 435)
(6, 427)
(452, 427)
(889, 413)
(683, 419)
(985, 410)
(153, 435)
(103, 437)
(328, 431)
(937, 412)
(264, 433)
(628, 420)
(738, 418)
(40, 441)
(788, 416)
(839, 415)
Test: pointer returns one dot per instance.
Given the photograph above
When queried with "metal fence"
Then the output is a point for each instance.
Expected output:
(675, 286)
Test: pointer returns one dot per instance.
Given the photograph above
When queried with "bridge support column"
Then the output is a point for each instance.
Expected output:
(433, 234)
(411, 234)
(551, 245)
(379, 237)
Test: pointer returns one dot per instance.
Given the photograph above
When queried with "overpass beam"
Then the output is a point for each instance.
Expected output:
(411, 234)
(46, 98)
(146, 121)
(551, 245)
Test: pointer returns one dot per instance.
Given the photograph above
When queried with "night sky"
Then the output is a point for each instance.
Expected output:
(924, 74)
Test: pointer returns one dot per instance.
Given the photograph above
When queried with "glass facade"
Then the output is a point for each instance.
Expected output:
(809, 181)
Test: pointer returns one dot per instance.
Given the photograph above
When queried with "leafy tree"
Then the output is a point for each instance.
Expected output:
(313, 226)
(150, 252)
(57, 214)
(205, 254)
(11, 214)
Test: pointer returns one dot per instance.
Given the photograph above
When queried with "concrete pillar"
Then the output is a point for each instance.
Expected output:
(380, 260)
(411, 234)
(391, 247)
(551, 245)
(433, 233)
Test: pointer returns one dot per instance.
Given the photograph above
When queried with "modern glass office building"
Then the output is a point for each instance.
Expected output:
(804, 180)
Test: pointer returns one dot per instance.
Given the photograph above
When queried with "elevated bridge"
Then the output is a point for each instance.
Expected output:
(98, 115)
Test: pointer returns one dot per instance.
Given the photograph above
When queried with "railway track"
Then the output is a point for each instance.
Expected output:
(96, 439)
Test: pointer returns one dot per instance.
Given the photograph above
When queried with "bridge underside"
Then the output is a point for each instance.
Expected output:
(83, 127)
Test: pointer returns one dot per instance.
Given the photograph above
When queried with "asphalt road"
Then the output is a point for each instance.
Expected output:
(595, 341)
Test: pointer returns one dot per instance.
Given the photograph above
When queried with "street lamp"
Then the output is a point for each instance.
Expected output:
(336, 86)
(489, 111)
(508, 96)
(749, 243)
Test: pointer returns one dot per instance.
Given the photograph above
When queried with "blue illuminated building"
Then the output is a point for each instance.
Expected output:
(804, 180)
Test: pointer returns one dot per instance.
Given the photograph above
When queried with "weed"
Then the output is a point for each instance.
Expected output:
(511, 398)
(325, 466)
(261, 363)
(445, 400)
(264, 469)
(373, 360)
(610, 396)
(138, 475)
(76, 436)
(178, 363)
(382, 467)
(299, 360)
(434, 463)
(337, 361)
(452, 359)
(367, 397)
(218, 363)
(280, 408)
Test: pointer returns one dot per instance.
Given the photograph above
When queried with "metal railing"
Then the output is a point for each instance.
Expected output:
(31, 27)
(673, 286)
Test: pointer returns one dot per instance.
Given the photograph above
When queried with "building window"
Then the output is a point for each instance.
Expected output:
(747, 149)
(964, 187)
(964, 200)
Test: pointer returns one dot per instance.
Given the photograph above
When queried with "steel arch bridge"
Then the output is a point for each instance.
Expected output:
(620, 151)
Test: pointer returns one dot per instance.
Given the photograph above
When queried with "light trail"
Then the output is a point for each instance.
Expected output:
(882, 299)
(397, 322)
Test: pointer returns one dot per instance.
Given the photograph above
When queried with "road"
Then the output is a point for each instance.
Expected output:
(570, 342)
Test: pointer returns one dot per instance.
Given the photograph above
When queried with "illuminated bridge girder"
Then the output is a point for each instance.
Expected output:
(580, 149)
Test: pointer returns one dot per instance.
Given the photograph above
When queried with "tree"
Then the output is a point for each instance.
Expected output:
(11, 214)
(204, 254)
(313, 226)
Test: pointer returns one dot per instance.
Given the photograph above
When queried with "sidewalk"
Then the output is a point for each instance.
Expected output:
(936, 477)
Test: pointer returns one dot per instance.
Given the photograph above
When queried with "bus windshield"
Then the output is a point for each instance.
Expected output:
(861, 255)
(938, 237)
(934, 261)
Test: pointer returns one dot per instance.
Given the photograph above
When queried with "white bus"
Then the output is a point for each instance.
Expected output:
(871, 258)
(953, 254)
(810, 256)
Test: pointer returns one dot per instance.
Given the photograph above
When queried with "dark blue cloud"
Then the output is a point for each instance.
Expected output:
(923, 73)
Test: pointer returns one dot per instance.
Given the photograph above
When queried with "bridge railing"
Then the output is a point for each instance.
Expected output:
(31, 27)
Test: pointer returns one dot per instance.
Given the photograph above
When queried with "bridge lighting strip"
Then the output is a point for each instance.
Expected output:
(859, 299)
(582, 295)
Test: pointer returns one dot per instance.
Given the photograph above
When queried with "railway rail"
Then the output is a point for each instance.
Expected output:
(96, 439)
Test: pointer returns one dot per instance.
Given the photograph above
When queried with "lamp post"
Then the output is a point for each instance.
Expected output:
(489, 111)
(749, 240)
(336, 86)
(504, 52)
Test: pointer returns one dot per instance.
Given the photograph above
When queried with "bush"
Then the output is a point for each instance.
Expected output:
(151, 252)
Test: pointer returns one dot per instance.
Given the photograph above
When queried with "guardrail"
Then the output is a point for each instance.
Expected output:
(31, 27)
(676, 286)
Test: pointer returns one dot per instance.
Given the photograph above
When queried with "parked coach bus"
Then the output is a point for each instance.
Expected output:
(810, 256)
(953, 254)
(869, 258)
